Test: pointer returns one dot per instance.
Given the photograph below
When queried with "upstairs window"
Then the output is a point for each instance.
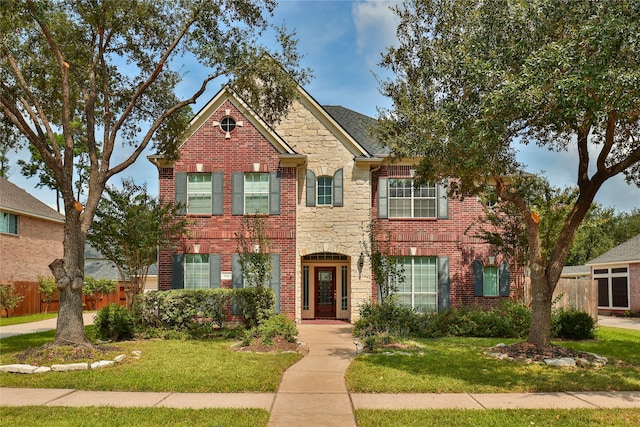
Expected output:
(325, 191)
(199, 193)
(8, 223)
(402, 198)
(256, 193)
(406, 200)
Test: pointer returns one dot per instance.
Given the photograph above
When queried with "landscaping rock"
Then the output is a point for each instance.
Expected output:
(562, 362)
(18, 368)
(136, 354)
(42, 370)
(102, 364)
(70, 367)
(119, 358)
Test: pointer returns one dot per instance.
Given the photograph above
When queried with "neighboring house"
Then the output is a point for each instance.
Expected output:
(617, 273)
(31, 235)
(98, 267)
(319, 181)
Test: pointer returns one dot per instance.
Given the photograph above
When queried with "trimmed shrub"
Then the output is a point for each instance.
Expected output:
(179, 308)
(255, 305)
(389, 318)
(277, 325)
(575, 325)
(114, 323)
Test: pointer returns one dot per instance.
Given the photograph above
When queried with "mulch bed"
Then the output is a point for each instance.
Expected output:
(279, 345)
(527, 351)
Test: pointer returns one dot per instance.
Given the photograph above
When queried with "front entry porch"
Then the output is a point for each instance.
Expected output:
(325, 286)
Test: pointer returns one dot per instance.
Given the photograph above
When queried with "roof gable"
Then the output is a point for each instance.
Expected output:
(628, 251)
(15, 200)
(228, 94)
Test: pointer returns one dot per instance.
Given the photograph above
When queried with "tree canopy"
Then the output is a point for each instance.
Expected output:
(472, 79)
(104, 76)
(128, 228)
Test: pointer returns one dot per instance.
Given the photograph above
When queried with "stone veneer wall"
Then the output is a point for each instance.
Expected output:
(327, 228)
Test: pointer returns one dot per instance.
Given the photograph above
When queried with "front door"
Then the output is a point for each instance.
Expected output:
(325, 292)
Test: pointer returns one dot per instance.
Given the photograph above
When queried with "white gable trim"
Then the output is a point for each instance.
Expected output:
(228, 94)
(316, 109)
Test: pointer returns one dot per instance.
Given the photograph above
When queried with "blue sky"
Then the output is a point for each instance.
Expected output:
(342, 41)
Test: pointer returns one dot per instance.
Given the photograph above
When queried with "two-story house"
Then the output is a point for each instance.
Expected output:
(319, 181)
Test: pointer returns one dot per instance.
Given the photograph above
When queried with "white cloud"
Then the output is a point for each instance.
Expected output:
(375, 26)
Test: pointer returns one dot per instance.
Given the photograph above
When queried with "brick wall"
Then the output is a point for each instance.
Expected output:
(28, 254)
(216, 234)
(451, 237)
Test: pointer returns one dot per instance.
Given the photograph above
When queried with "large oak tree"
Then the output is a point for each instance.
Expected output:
(474, 78)
(103, 74)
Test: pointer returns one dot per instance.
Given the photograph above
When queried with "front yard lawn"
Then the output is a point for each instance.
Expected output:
(458, 365)
(500, 418)
(110, 416)
(165, 365)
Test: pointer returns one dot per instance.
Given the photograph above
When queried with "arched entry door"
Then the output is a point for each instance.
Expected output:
(325, 292)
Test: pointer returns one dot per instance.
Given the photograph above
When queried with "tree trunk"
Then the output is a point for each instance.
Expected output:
(541, 295)
(69, 274)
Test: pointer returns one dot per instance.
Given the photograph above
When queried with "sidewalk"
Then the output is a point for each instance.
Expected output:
(313, 392)
(39, 326)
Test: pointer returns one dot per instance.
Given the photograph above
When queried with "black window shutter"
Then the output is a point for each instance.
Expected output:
(275, 179)
(275, 279)
(338, 178)
(311, 188)
(217, 189)
(215, 270)
(444, 284)
(383, 198)
(237, 201)
(177, 270)
(504, 279)
(181, 192)
(478, 278)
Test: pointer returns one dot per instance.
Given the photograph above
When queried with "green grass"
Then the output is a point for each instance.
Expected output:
(458, 365)
(7, 321)
(133, 417)
(166, 365)
(499, 417)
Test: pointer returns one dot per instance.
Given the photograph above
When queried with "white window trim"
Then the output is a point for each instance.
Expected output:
(318, 204)
(413, 293)
(247, 193)
(609, 275)
(200, 193)
(413, 198)
(187, 285)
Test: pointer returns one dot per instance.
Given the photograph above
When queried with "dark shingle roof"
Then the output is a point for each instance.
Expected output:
(15, 200)
(627, 251)
(358, 126)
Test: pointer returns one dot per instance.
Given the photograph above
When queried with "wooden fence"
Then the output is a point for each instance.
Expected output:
(33, 302)
(581, 294)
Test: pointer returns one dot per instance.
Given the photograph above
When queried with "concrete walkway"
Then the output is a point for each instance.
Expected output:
(313, 391)
(39, 326)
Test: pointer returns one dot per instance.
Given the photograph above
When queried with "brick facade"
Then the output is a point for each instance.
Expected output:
(311, 238)
(26, 255)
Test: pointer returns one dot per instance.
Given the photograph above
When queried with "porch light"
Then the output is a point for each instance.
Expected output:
(360, 264)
